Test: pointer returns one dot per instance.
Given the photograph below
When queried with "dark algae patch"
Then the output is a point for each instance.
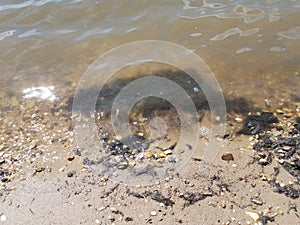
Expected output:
(278, 144)
(256, 124)
(191, 198)
(154, 195)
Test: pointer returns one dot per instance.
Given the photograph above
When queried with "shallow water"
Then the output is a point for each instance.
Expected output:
(253, 47)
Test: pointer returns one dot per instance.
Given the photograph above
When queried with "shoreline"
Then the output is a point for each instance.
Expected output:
(49, 182)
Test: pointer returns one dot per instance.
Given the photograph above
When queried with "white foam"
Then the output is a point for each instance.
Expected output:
(234, 31)
(245, 49)
(196, 34)
(7, 33)
(293, 33)
(44, 93)
(277, 49)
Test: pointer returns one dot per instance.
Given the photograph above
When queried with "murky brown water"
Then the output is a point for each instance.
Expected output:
(253, 47)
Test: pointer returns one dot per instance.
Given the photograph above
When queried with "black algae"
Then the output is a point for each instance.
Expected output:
(257, 124)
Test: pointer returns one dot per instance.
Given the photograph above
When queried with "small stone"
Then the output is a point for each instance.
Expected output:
(122, 165)
(162, 155)
(172, 159)
(238, 120)
(262, 155)
(153, 213)
(3, 218)
(256, 201)
(97, 221)
(168, 152)
(286, 148)
(280, 212)
(110, 217)
(5, 179)
(71, 173)
(148, 154)
(279, 111)
(71, 158)
(128, 219)
(188, 147)
(113, 209)
(101, 208)
(140, 134)
(223, 205)
(39, 169)
(33, 145)
(118, 137)
(254, 216)
(227, 157)
(132, 163)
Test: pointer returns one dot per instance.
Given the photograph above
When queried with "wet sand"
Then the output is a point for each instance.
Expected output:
(44, 179)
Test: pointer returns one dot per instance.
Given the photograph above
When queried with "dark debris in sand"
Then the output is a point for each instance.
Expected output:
(280, 145)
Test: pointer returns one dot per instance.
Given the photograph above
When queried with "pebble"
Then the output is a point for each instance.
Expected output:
(168, 152)
(279, 111)
(97, 221)
(122, 165)
(110, 217)
(39, 169)
(132, 163)
(140, 134)
(227, 157)
(71, 158)
(101, 208)
(3, 218)
(238, 120)
(148, 154)
(188, 147)
(256, 201)
(128, 219)
(172, 159)
(153, 213)
(162, 155)
(223, 205)
(113, 209)
(254, 216)
(71, 173)
(286, 148)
